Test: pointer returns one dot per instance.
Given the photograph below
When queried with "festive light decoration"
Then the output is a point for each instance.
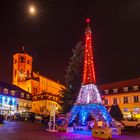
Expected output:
(87, 20)
(98, 111)
(88, 94)
(89, 100)
(88, 71)
(4, 100)
(21, 75)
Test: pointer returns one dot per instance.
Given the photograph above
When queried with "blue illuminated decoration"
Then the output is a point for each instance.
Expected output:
(4, 100)
(98, 111)
(89, 103)
(0, 100)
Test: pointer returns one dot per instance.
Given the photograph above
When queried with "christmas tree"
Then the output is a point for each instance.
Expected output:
(73, 78)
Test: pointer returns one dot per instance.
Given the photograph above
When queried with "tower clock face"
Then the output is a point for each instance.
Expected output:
(22, 75)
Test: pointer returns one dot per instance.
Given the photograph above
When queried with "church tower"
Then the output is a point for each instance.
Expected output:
(22, 67)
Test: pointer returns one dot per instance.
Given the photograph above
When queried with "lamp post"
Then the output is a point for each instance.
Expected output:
(52, 118)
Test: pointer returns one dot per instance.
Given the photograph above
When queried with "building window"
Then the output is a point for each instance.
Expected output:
(22, 59)
(135, 88)
(15, 72)
(22, 95)
(15, 60)
(115, 90)
(28, 73)
(25, 105)
(125, 100)
(125, 89)
(27, 96)
(21, 104)
(12, 92)
(35, 90)
(125, 109)
(114, 101)
(106, 91)
(136, 99)
(28, 61)
(106, 101)
(5, 91)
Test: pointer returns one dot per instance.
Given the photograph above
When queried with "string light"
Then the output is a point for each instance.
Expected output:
(89, 100)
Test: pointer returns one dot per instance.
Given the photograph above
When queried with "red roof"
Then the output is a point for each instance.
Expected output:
(120, 84)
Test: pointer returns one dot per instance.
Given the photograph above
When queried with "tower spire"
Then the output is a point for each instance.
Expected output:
(88, 70)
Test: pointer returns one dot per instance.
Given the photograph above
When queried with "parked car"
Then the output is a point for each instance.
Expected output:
(1, 118)
(45, 120)
(28, 116)
(38, 117)
(131, 123)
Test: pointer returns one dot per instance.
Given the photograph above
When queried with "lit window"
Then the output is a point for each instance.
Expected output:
(12, 92)
(135, 88)
(22, 95)
(106, 101)
(29, 105)
(0, 100)
(136, 110)
(21, 104)
(28, 73)
(125, 100)
(15, 60)
(106, 91)
(25, 105)
(115, 90)
(125, 89)
(15, 72)
(125, 109)
(114, 101)
(27, 96)
(136, 99)
(5, 91)
(28, 61)
(22, 59)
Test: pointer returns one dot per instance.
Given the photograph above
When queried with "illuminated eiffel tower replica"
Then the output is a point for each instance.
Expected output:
(89, 100)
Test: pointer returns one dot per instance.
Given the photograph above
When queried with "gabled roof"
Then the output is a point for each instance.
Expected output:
(10, 87)
(120, 84)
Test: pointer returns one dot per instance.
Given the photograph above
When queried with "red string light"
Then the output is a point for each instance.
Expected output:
(88, 72)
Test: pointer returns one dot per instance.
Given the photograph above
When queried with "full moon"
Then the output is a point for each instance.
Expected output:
(32, 10)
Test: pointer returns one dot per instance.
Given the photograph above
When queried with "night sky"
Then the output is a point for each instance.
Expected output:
(59, 25)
